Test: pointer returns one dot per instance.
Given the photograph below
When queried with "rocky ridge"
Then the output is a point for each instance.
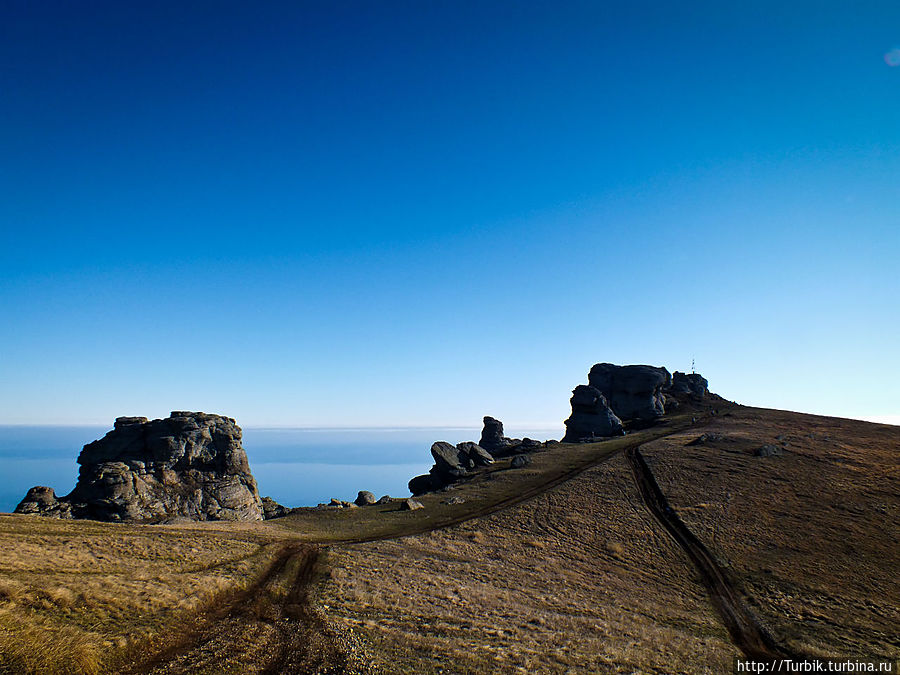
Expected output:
(616, 399)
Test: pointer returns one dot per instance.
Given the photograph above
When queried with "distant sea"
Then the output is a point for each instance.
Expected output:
(296, 467)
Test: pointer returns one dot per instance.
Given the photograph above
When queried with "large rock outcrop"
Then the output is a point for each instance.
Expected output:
(190, 465)
(591, 416)
(693, 384)
(633, 392)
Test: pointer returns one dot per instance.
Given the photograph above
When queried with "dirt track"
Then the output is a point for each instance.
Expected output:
(273, 627)
(745, 629)
(269, 628)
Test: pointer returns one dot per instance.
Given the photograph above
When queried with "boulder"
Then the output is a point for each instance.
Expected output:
(519, 461)
(693, 384)
(633, 392)
(385, 499)
(365, 498)
(450, 462)
(42, 500)
(591, 417)
(272, 509)
(190, 465)
(411, 505)
(492, 438)
(419, 485)
(703, 439)
(529, 445)
(767, 450)
(476, 454)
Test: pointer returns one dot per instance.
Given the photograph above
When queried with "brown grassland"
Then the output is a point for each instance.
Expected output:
(553, 568)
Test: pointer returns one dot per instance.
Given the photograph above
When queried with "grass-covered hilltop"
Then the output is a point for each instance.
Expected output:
(668, 530)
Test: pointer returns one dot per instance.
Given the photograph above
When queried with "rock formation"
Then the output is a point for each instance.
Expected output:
(272, 509)
(633, 392)
(365, 498)
(451, 463)
(691, 383)
(190, 465)
(492, 438)
(591, 416)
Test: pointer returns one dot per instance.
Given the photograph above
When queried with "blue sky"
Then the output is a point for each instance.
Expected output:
(408, 213)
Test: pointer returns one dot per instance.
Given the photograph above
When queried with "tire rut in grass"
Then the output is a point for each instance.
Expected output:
(746, 631)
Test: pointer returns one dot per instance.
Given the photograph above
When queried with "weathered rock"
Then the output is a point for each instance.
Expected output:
(365, 498)
(519, 461)
(476, 454)
(454, 500)
(767, 450)
(529, 445)
(633, 392)
(336, 502)
(450, 462)
(419, 485)
(591, 417)
(272, 509)
(189, 465)
(689, 383)
(411, 505)
(703, 439)
(385, 499)
(492, 438)
(42, 500)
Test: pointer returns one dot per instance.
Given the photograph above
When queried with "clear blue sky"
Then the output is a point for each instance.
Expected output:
(418, 213)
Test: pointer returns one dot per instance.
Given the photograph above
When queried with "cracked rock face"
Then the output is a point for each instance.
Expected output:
(190, 465)
(591, 416)
(633, 392)
(689, 383)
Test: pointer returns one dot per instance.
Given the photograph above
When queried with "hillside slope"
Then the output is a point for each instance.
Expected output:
(582, 579)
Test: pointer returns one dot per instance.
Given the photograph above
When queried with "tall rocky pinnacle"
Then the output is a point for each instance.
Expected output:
(591, 416)
(190, 465)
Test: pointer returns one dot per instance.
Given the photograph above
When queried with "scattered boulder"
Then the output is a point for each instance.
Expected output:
(386, 499)
(455, 499)
(703, 439)
(190, 465)
(411, 505)
(633, 392)
(693, 384)
(767, 450)
(365, 498)
(591, 416)
(272, 509)
(519, 461)
(529, 445)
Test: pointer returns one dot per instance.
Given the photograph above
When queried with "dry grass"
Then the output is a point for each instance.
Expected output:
(812, 535)
(581, 579)
(575, 580)
(78, 597)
